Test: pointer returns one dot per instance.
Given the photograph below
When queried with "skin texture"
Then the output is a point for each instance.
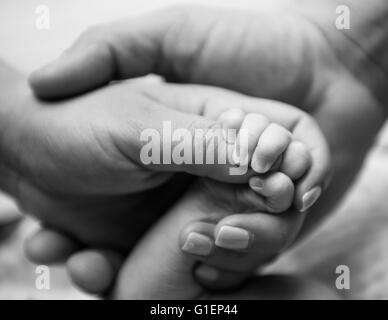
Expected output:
(307, 70)
(82, 155)
(78, 194)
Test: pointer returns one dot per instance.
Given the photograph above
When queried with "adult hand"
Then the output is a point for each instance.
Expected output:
(291, 60)
(292, 56)
(65, 164)
(273, 232)
(82, 157)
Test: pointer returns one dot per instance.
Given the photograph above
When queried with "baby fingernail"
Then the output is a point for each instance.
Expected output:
(310, 197)
(256, 184)
(259, 166)
(233, 238)
(207, 273)
(198, 244)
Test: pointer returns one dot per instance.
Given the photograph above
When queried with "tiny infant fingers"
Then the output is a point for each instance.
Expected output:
(231, 121)
(232, 118)
(310, 186)
(272, 143)
(250, 131)
(277, 190)
(296, 160)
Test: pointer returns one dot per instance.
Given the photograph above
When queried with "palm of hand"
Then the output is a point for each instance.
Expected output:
(84, 146)
(264, 55)
(79, 181)
(284, 57)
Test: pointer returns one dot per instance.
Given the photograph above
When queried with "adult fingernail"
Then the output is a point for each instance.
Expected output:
(198, 244)
(256, 184)
(207, 273)
(233, 238)
(310, 197)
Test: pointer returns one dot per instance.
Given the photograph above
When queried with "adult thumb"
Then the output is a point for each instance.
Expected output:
(174, 141)
(123, 49)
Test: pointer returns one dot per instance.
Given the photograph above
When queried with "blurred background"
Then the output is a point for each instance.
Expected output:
(356, 235)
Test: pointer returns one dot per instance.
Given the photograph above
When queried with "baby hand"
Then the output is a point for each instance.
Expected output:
(269, 147)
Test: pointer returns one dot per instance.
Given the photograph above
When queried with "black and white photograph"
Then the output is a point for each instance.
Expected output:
(212, 150)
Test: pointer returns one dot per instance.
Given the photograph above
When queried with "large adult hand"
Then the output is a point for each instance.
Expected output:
(76, 164)
(291, 60)
(280, 231)
(294, 56)
(65, 164)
